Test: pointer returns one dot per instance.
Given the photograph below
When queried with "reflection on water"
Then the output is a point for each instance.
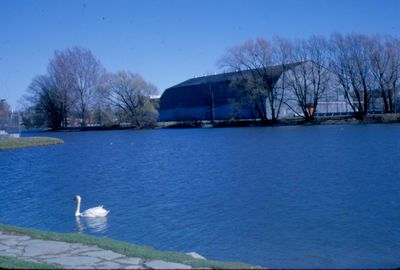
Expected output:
(91, 225)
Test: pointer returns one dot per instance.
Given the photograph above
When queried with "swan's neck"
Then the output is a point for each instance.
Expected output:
(78, 208)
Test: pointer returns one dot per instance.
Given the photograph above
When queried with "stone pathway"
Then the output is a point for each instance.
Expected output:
(73, 255)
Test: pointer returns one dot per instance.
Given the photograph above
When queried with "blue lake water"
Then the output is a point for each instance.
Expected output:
(316, 196)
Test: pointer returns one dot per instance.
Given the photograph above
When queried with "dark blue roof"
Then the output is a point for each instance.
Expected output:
(196, 92)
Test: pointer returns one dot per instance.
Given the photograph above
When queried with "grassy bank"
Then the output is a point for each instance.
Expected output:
(13, 143)
(127, 249)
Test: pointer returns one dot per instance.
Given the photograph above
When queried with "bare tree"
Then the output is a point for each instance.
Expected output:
(351, 63)
(47, 100)
(252, 60)
(308, 81)
(282, 48)
(131, 95)
(103, 113)
(385, 64)
(60, 73)
(77, 72)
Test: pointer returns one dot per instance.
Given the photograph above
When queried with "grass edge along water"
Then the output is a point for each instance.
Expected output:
(125, 248)
(22, 142)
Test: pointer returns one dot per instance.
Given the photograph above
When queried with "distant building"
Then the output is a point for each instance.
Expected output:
(9, 120)
(210, 98)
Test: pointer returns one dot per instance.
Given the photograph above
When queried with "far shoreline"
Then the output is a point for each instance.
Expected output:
(393, 118)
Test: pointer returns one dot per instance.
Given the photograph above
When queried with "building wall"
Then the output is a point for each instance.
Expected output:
(195, 102)
(220, 112)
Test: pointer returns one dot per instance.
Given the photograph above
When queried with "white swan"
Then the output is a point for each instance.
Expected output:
(98, 211)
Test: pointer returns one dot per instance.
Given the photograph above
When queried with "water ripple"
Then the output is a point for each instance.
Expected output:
(313, 197)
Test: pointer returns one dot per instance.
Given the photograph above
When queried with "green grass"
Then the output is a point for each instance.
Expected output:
(13, 143)
(127, 249)
(7, 262)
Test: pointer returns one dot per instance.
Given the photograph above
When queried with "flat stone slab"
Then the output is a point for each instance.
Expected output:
(11, 242)
(156, 264)
(51, 256)
(108, 265)
(133, 267)
(15, 251)
(104, 254)
(43, 247)
(74, 261)
(3, 247)
(83, 249)
(75, 255)
(14, 240)
(130, 261)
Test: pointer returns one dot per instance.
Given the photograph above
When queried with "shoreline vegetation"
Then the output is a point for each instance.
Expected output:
(124, 248)
(331, 120)
(310, 78)
(391, 118)
(23, 142)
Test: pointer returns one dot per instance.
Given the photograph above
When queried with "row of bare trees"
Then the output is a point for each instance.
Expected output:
(358, 65)
(77, 90)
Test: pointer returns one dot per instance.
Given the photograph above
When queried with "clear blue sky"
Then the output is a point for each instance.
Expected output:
(166, 41)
